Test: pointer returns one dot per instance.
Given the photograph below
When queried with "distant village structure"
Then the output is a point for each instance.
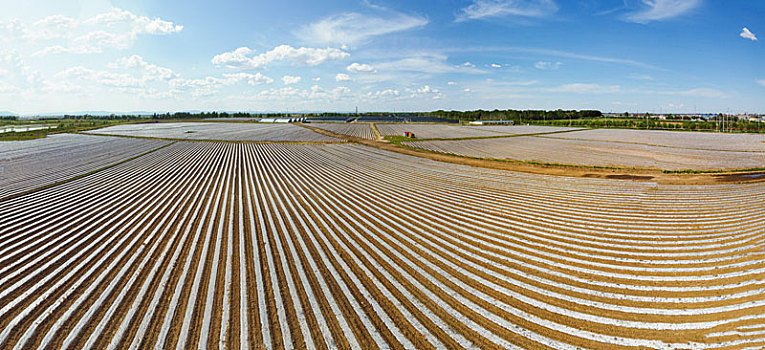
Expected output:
(492, 122)
(697, 117)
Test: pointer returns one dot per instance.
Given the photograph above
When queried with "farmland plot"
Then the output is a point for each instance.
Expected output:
(691, 140)
(596, 153)
(206, 245)
(362, 130)
(26, 165)
(219, 131)
(435, 131)
(440, 131)
(523, 129)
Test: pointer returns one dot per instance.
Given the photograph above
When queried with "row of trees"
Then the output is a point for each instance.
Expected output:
(516, 115)
(643, 123)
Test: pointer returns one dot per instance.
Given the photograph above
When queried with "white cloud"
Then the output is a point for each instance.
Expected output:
(62, 87)
(209, 86)
(116, 29)
(199, 87)
(761, 82)
(352, 28)
(105, 78)
(545, 65)
(424, 91)
(468, 64)
(151, 71)
(289, 80)
(387, 93)
(360, 68)
(139, 24)
(342, 77)
(480, 9)
(557, 53)
(242, 58)
(466, 90)
(236, 58)
(314, 93)
(697, 92)
(581, 88)
(133, 75)
(494, 65)
(126, 72)
(17, 74)
(657, 10)
(426, 63)
(451, 83)
(746, 34)
(251, 79)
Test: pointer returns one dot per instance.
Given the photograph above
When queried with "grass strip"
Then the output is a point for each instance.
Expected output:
(22, 137)
(692, 171)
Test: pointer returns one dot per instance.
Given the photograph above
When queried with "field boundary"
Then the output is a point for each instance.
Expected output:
(376, 132)
(61, 182)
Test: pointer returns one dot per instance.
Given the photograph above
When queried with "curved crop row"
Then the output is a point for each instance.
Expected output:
(207, 245)
(219, 132)
(27, 165)
(573, 151)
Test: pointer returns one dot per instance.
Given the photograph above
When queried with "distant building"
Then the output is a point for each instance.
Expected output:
(492, 122)
(281, 120)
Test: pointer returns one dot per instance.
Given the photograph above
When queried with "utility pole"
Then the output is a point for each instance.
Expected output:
(730, 118)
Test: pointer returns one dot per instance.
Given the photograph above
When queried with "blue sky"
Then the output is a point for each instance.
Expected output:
(172, 55)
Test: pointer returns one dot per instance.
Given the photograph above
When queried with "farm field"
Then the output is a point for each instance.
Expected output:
(440, 131)
(362, 130)
(567, 148)
(523, 129)
(212, 245)
(219, 131)
(26, 165)
(690, 140)
(434, 131)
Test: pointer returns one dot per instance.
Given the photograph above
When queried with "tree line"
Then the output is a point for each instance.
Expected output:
(516, 115)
